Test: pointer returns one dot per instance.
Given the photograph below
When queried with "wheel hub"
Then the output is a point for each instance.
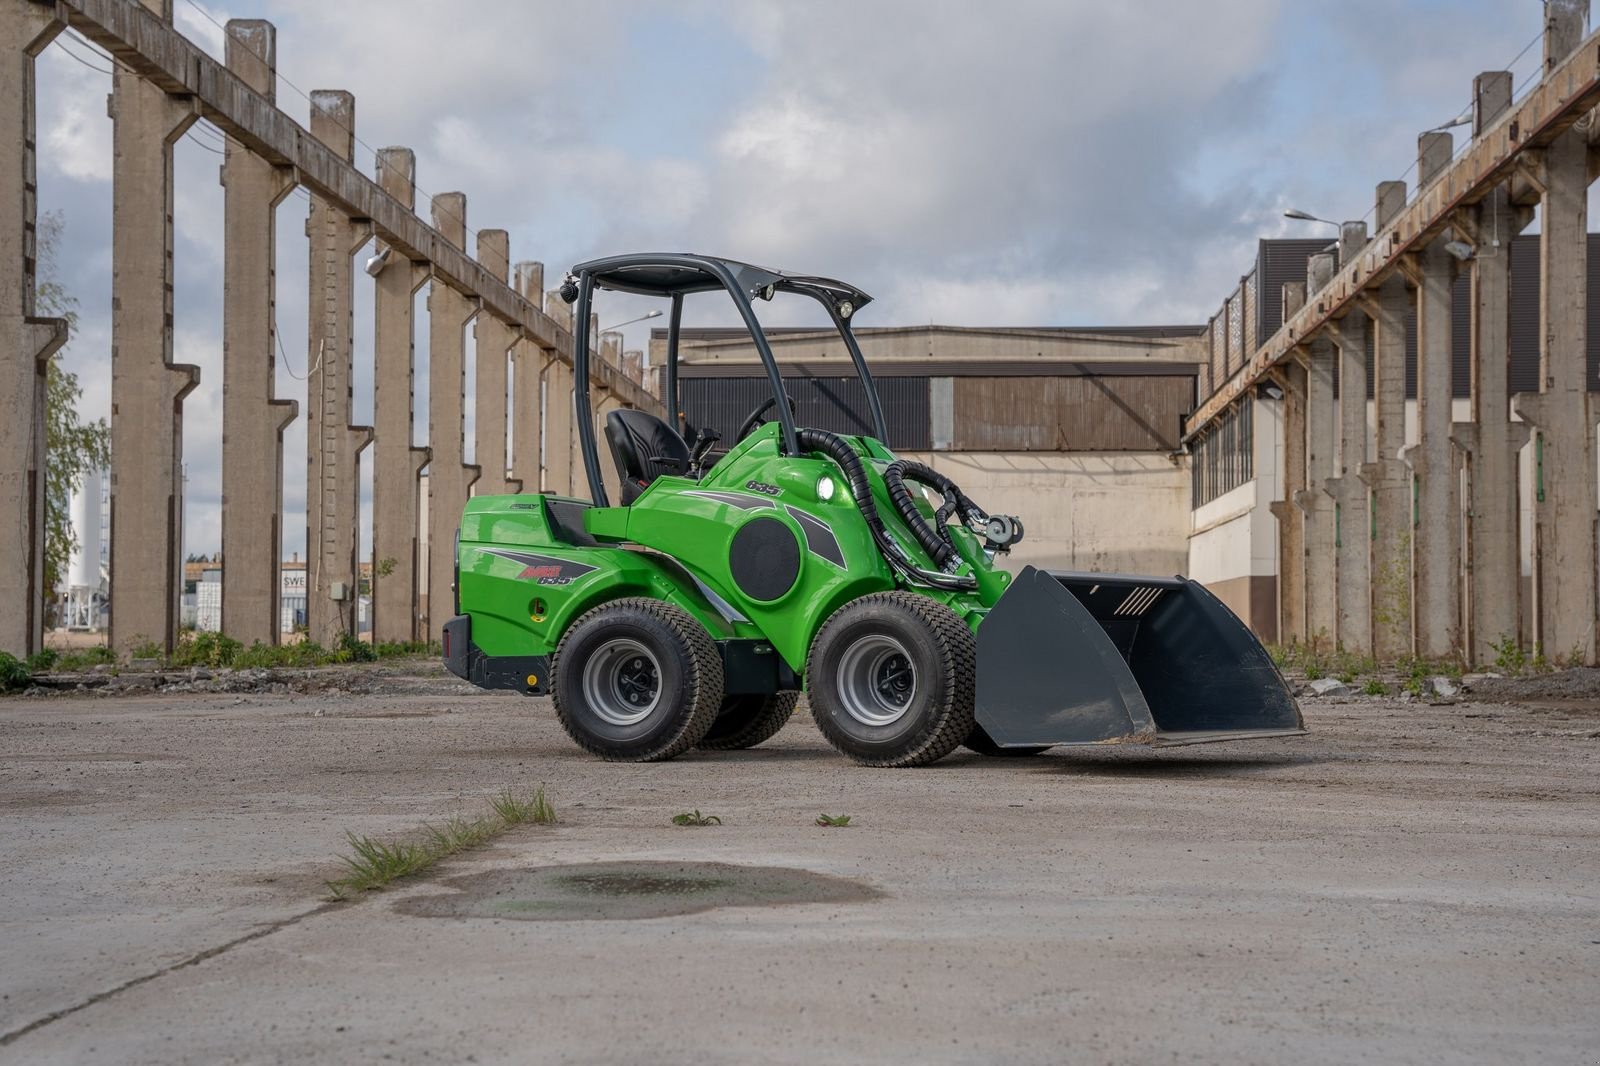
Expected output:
(622, 682)
(876, 681)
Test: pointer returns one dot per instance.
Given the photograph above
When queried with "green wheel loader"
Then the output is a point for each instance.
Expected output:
(694, 610)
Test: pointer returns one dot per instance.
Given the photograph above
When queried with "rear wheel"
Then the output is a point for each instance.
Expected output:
(637, 680)
(890, 679)
(746, 721)
(979, 741)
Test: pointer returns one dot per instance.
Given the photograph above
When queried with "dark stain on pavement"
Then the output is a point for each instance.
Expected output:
(627, 890)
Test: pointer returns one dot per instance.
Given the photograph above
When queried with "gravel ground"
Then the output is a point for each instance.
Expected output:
(1413, 882)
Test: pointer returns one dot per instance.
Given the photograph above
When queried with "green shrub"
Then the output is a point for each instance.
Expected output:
(99, 655)
(13, 673)
(43, 660)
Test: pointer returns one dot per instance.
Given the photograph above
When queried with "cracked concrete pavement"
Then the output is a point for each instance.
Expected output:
(1410, 883)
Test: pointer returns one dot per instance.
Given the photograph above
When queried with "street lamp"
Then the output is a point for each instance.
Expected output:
(1306, 216)
(653, 314)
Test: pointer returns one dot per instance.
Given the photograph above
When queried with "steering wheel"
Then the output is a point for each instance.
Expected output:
(757, 417)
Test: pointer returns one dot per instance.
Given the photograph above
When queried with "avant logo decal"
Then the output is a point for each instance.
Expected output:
(763, 487)
(542, 568)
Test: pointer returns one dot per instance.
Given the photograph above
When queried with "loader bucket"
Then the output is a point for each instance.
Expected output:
(1069, 658)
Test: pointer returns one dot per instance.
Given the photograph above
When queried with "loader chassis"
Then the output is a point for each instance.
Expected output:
(691, 612)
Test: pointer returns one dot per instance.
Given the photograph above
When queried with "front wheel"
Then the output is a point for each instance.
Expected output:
(637, 680)
(890, 679)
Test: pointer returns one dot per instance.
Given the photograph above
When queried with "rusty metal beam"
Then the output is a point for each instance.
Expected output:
(164, 57)
(1566, 94)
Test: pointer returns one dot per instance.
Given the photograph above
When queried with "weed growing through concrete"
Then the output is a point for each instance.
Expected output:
(1374, 687)
(373, 864)
(695, 818)
(834, 821)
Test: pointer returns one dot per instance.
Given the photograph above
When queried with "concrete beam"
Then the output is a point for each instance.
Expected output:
(253, 419)
(333, 443)
(450, 479)
(527, 404)
(495, 342)
(397, 462)
(147, 388)
(1491, 441)
(155, 51)
(1569, 91)
(27, 341)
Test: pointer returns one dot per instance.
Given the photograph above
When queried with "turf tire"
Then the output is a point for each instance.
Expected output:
(689, 680)
(746, 721)
(943, 656)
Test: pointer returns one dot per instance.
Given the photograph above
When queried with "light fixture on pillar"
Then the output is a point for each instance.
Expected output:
(653, 314)
(1269, 391)
(1306, 216)
(379, 260)
(1461, 120)
(1460, 250)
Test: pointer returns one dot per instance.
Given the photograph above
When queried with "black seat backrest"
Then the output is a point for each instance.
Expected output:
(639, 440)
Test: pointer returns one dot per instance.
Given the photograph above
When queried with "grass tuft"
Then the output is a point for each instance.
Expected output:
(695, 818)
(834, 821)
(374, 864)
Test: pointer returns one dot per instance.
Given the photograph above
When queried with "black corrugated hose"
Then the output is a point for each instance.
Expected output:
(855, 473)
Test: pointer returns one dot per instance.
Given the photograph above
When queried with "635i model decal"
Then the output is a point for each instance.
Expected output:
(544, 569)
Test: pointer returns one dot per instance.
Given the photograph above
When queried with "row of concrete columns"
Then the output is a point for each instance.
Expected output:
(148, 389)
(1397, 550)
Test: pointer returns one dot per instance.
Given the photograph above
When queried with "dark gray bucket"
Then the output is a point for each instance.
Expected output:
(1066, 658)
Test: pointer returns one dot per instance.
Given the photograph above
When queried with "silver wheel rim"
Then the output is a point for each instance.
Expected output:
(877, 683)
(622, 682)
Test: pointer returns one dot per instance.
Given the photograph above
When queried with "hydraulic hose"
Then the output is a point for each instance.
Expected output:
(933, 542)
(855, 474)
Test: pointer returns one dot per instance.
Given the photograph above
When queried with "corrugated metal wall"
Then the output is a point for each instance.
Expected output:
(838, 405)
(1070, 414)
(1079, 413)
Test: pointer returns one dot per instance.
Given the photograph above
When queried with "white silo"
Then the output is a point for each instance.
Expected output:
(83, 591)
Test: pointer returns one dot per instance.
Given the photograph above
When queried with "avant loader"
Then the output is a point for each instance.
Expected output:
(692, 611)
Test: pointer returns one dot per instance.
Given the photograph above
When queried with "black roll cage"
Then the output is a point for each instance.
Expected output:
(673, 276)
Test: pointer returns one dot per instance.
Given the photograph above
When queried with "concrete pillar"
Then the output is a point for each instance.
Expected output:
(560, 470)
(397, 463)
(1436, 540)
(527, 404)
(1387, 476)
(1564, 467)
(450, 479)
(1491, 441)
(1353, 539)
(1321, 604)
(147, 388)
(1291, 519)
(633, 366)
(333, 444)
(26, 341)
(253, 420)
(495, 340)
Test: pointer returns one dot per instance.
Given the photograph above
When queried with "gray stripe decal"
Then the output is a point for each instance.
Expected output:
(819, 538)
(746, 501)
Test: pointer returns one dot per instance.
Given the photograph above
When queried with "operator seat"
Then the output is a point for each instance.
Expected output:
(644, 447)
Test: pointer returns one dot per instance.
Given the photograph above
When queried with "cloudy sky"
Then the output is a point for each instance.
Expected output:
(1017, 162)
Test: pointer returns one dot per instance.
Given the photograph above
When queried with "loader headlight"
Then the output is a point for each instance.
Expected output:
(825, 488)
